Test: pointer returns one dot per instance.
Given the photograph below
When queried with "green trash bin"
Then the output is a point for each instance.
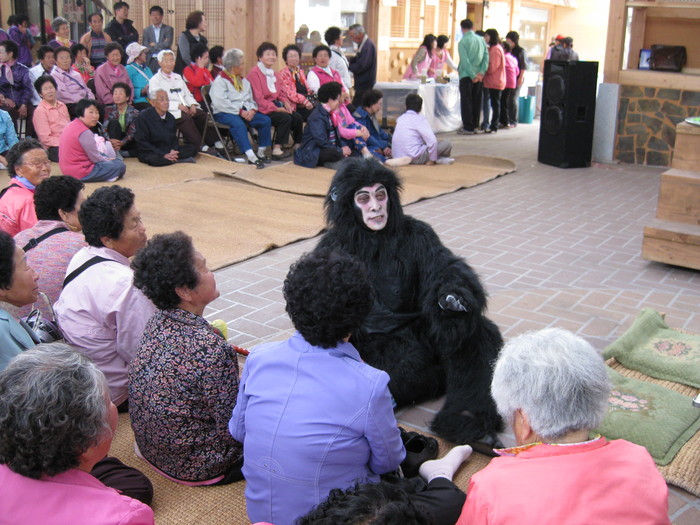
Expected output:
(526, 110)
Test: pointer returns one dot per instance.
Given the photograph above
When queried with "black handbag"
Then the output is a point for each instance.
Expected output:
(667, 58)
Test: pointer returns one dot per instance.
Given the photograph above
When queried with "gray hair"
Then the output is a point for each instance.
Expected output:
(52, 410)
(153, 93)
(556, 378)
(232, 58)
(357, 28)
(162, 53)
(58, 22)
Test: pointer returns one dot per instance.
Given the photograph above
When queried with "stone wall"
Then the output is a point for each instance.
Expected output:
(646, 123)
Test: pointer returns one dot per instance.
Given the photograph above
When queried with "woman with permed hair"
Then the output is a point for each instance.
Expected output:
(183, 381)
(19, 285)
(28, 166)
(310, 414)
(56, 426)
(53, 241)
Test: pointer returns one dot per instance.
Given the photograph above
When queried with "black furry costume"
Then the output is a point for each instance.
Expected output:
(427, 351)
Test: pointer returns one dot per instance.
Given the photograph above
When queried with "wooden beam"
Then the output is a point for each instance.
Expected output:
(615, 42)
(637, 29)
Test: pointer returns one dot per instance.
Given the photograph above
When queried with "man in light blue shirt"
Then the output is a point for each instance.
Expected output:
(473, 63)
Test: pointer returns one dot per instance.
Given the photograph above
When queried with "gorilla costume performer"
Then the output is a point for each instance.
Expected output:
(427, 327)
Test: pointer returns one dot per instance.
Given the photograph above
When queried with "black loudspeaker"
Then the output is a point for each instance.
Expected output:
(568, 111)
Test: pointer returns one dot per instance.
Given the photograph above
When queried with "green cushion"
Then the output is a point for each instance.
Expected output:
(651, 347)
(649, 415)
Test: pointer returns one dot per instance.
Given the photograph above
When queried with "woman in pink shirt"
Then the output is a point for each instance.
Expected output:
(110, 73)
(57, 426)
(50, 116)
(553, 387)
(420, 64)
(494, 80)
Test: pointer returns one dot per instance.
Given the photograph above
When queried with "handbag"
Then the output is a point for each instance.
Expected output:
(47, 331)
(667, 58)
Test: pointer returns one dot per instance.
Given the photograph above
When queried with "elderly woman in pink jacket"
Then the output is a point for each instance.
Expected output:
(110, 73)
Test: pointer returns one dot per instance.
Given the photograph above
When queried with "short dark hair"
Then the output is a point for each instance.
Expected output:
(59, 192)
(479, 32)
(265, 46)
(371, 97)
(82, 105)
(93, 15)
(328, 91)
(43, 79)
(7, 259)
(156, 8)
(10, 47)
(194, 19)
(198, 50)
(52, 410)
(44, 50)
(328, 295)
(514, 36)
(126, 87)
(166, 262)
(111, 46)
(332, 35)
(62, 49)
(16, 153)
(77, 48)
(215, 53)
(320, 48)
(568, 41)
(288, 48)
(442, 40)
(466, 24)
(414, 102)
(383, 503)
(102, 214)
(20, 19)
(118, 5)
(506, 46)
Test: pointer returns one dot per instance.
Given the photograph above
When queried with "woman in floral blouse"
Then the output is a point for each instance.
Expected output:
(184, 378)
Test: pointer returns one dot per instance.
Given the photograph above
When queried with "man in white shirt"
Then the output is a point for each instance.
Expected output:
(190, 118)
(44, 67)
(338, 60)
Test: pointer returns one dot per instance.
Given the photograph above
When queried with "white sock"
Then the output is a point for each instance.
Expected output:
(445, 160)
(261, 151)
(251, 155)
(400, 161)
(446, 466)
(205, 148)
(218, 145)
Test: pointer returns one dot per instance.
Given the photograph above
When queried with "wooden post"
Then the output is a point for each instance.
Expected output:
(615, 42)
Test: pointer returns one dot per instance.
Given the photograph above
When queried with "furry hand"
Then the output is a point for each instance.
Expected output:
(452, 302)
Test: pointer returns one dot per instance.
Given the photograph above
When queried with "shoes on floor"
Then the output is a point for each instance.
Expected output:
(466, 132)
(399, 161)
(266, 160)
(189, 160)
(259, 164)
(445, 160)
(285, 155)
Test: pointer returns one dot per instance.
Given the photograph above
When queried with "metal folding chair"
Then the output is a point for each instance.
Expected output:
(217, 125)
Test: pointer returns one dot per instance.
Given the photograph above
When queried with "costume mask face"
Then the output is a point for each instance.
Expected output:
(373, 202)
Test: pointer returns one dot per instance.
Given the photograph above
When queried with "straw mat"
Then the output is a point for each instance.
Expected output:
(234, 212)
(175, 504)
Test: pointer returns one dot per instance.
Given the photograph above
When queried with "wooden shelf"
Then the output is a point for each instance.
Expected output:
(651, 3)
(658, 79)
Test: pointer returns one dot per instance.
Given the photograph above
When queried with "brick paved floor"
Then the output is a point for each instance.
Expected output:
(553, 248)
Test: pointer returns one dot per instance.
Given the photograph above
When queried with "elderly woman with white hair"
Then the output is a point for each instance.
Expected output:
(233, 104)
(56, 426)
(553, 388)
